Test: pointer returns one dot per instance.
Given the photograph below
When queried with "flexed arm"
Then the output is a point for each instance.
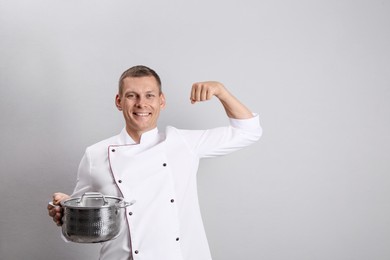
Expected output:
(202, 91)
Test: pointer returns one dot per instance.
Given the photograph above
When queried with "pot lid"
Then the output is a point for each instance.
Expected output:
(92, 200)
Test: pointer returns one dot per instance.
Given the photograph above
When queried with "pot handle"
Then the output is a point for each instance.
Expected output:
(92, 195)
(125, 204)
(52, 204)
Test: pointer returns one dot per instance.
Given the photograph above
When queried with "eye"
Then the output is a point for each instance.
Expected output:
(150, 95)
(131, 96)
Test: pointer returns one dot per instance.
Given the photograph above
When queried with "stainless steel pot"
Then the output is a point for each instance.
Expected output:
(93, 218)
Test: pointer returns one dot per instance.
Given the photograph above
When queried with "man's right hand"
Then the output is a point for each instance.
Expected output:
(56, 211)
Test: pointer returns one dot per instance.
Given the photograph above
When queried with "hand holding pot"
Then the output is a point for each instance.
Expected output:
(54, 209)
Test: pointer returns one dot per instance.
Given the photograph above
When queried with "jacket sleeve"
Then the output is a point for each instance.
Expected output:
(83, 183)
(224, 140)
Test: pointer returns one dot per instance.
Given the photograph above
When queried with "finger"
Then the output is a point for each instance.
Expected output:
(58, 218)
(198, 93)
(203, 94)
(195, 92)
(192, 95)
(52, 213)
(57, 221)
(51, 209)
(57, 197)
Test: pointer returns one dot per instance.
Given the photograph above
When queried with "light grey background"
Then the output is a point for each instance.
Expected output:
(317, 185)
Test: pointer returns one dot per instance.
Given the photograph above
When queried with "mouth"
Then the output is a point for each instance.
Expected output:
(142, 114)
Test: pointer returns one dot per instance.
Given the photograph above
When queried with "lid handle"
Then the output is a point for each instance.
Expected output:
(90, 199)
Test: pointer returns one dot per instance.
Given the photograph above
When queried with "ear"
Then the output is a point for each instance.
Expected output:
(162, 101)
(118, 102)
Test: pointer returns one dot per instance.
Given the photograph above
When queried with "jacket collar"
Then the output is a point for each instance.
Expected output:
(150, 137)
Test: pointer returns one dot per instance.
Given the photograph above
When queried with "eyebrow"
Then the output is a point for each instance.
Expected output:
(147, 92)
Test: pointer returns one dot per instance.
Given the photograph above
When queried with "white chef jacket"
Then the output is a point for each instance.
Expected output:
(159, 173)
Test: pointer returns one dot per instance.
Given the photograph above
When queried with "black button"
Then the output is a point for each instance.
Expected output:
(120, 181)
(130, 213)
(113, 150)
(164, 164)
(177, 239)
(136, 251)
(172, 200)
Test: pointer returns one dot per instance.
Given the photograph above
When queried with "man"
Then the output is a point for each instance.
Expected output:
(158, 169)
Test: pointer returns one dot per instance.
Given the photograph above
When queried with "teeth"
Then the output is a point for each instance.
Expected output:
(142, 114)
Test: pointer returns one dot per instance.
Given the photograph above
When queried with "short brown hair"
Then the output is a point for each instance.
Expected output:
(138, 72)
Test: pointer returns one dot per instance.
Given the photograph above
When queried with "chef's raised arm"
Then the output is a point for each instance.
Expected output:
(202, 91)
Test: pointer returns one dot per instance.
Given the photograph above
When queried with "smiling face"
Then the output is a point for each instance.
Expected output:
(140, 102)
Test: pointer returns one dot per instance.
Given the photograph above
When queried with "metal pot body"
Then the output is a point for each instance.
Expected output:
(92, 218)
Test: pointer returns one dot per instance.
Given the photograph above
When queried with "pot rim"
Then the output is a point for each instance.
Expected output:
(117, 203)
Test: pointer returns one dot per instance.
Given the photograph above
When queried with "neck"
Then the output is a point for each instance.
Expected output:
(136, 135)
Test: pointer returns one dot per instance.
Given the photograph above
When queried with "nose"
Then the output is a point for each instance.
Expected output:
(141, 101)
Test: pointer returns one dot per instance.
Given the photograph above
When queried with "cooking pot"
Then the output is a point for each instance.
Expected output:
(92, 218)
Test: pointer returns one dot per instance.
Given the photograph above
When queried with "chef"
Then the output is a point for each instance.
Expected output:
(157, 169)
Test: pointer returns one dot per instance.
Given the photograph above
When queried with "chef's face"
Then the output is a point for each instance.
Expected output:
(140, 102)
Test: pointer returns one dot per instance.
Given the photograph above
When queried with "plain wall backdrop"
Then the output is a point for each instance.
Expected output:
(315, 187)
